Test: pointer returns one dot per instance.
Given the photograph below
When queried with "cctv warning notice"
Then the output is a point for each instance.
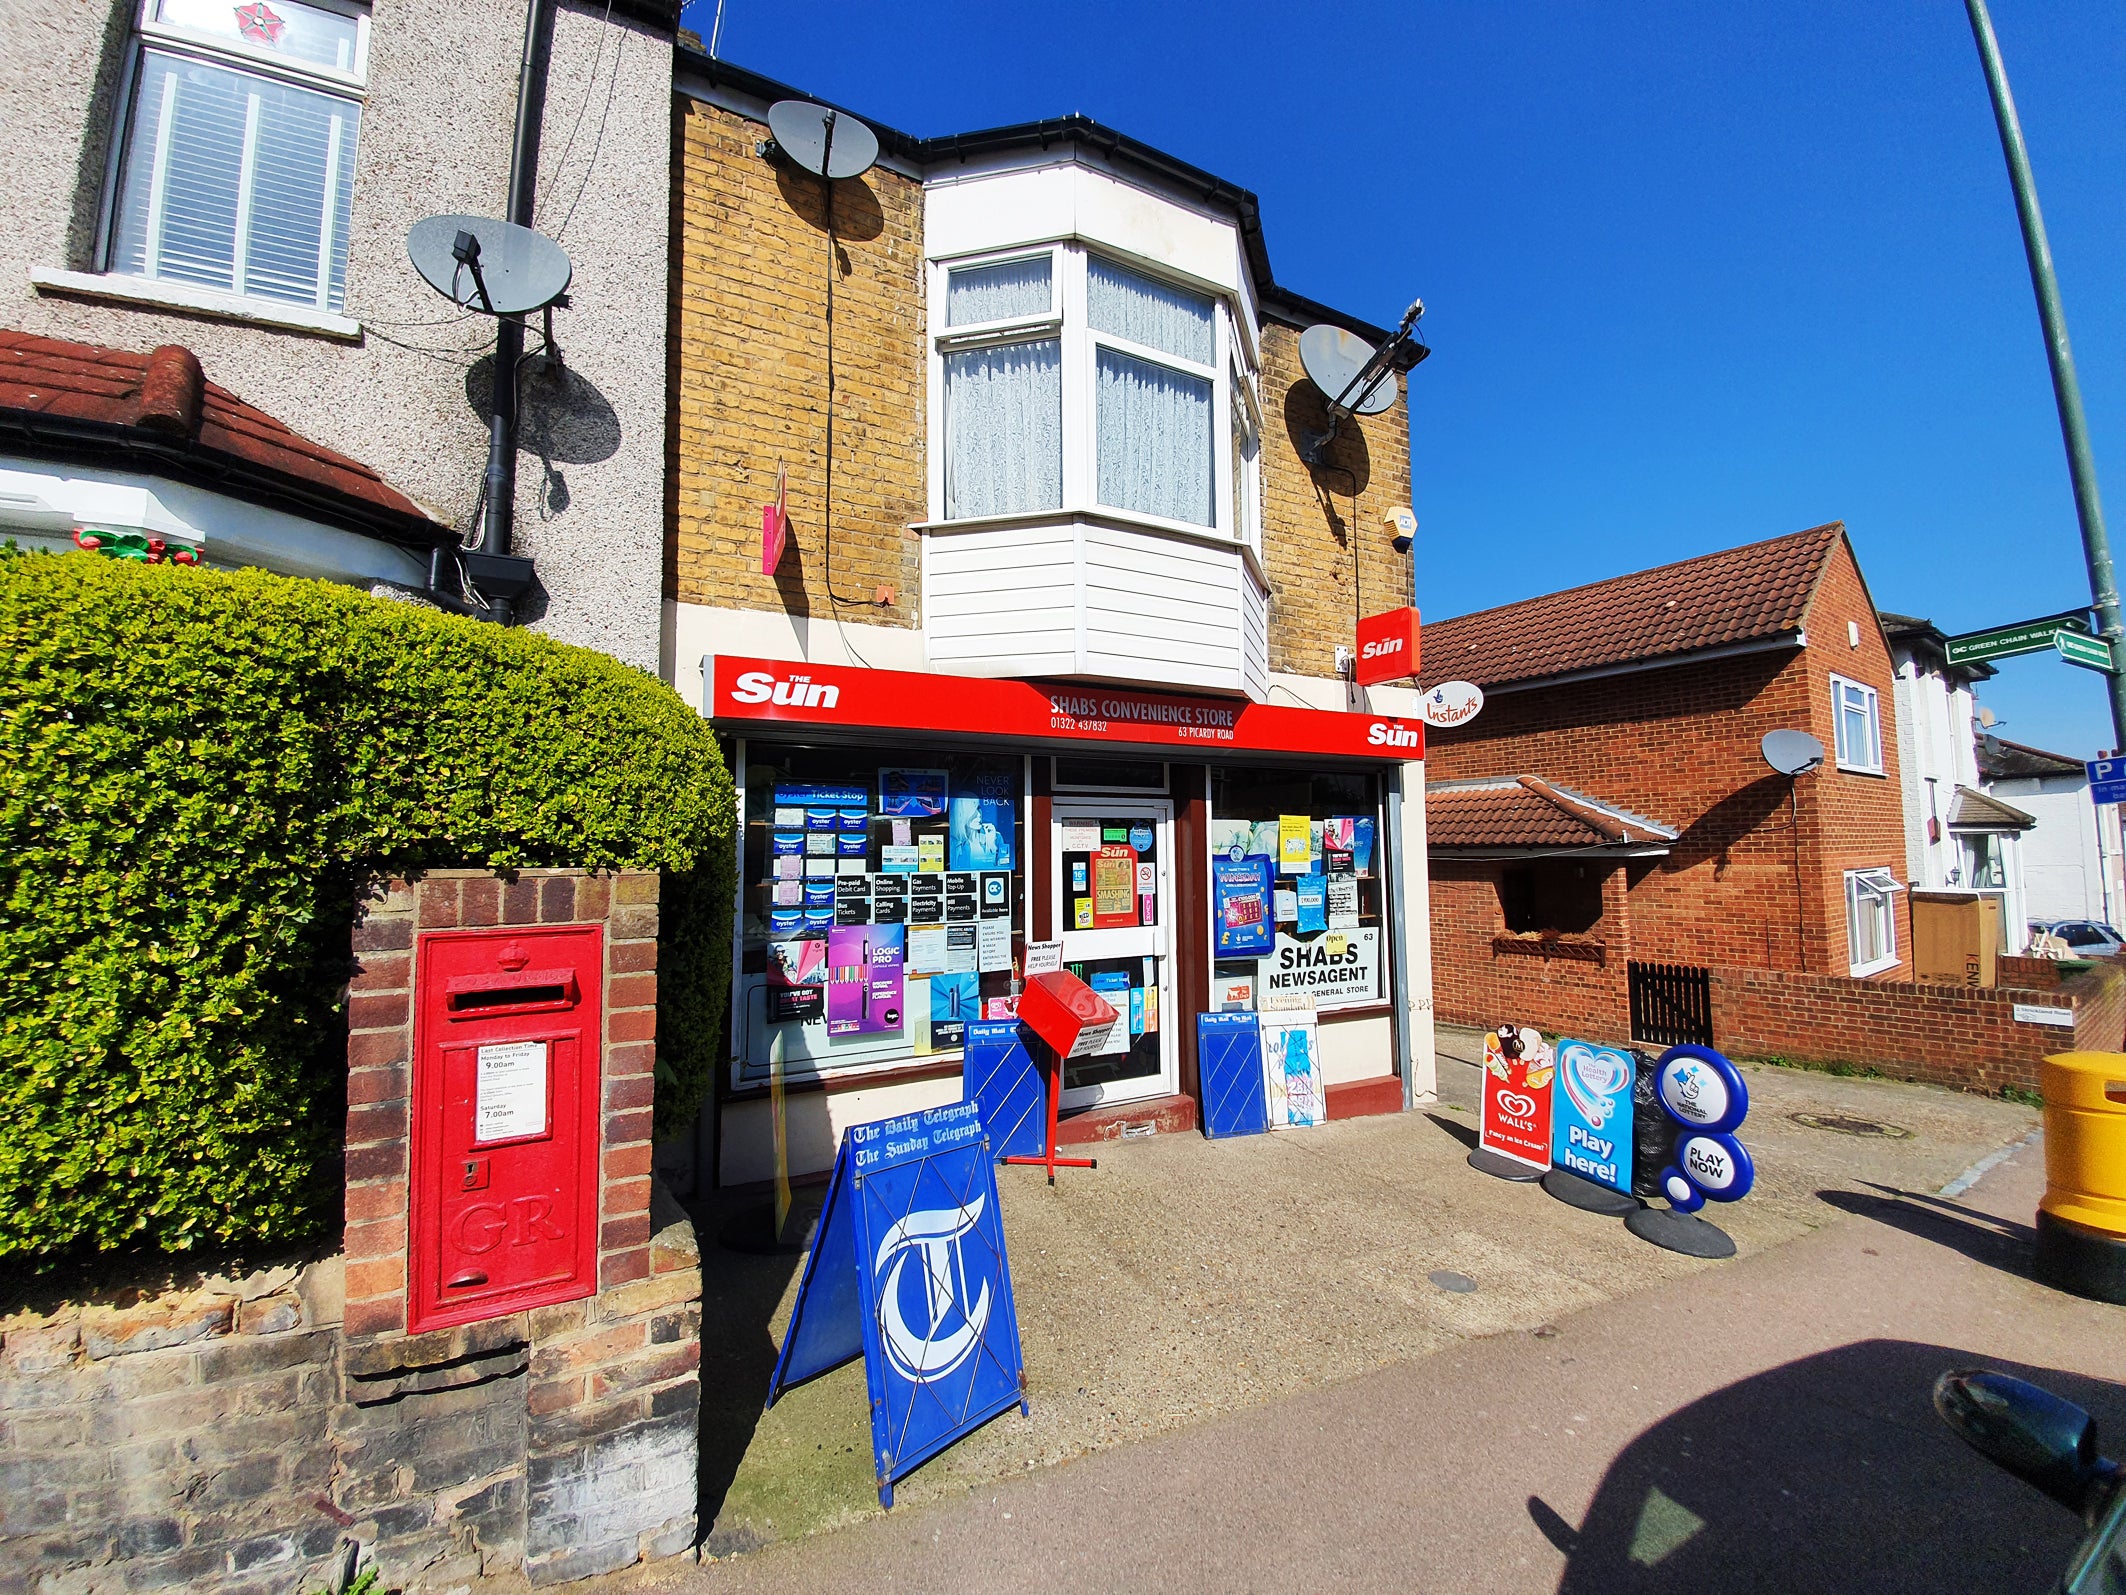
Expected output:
(739, 692)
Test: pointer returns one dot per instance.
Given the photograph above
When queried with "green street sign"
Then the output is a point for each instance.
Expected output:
(2076, 649)
(2031, 636)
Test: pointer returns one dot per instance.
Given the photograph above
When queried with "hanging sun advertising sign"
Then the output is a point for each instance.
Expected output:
(1387, 647)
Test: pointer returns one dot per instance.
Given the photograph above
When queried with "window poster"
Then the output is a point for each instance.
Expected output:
(992, 945)
(1240, 894)
(930, 855)
(797, 981)
(926, 950)
(953, 1001)
(864, 974)
(898, 860)
(1113, 984)
(1312, 899)
(1343, 902)
(1114, 886)
(912, 794)
(984, 810)
(1362, 844)
(1295, 844)
(962, 949)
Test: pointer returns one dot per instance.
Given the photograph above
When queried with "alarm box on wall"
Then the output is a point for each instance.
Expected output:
(503, 1207)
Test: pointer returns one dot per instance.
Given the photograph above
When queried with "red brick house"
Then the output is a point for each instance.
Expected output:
(1610, 806)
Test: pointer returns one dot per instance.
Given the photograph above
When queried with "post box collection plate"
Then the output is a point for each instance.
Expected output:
(502, 1213)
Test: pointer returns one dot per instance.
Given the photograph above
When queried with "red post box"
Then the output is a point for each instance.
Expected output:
(1066, 1013)
(503, 1209)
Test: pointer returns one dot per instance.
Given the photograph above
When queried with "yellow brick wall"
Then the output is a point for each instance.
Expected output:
(749, 379)
(1323, 544)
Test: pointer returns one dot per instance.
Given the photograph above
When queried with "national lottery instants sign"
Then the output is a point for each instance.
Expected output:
(1342, 966)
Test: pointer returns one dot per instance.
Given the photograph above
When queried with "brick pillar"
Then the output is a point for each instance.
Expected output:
(559, 1441)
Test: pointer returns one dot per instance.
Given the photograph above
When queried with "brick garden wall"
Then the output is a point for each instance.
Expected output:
(749, 378)
(237, 1436)
(1944, 1035)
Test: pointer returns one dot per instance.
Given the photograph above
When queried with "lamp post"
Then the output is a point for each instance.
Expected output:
(2074, 426)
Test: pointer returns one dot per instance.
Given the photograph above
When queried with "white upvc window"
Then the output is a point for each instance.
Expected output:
(1068, 380)
(235, 166)
(1856, 721)
(1871, 920)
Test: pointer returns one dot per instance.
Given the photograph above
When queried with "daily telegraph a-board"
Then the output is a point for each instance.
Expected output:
(908, 1271)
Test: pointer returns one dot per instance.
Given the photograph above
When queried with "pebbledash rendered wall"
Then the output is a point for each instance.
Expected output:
(254, 1435)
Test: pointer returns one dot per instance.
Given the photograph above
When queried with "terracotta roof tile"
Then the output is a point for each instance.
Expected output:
(1737, 595)
(1528, 811)
(84, 382)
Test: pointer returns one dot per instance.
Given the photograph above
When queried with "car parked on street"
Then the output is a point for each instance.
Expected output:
(2085, 938)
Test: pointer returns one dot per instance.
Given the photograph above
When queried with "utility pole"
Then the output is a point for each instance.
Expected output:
(2074, 426)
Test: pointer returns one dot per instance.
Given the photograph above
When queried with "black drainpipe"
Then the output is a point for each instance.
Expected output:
(503, 577)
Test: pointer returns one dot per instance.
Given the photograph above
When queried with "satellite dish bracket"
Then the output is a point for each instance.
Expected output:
(1401, 352)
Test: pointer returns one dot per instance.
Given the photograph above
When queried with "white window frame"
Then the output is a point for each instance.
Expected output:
(1872, 698)
(210, 50)
(1232, 377)
(1879, 887)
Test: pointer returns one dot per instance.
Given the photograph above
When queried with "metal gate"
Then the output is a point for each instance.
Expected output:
(1671, 1004)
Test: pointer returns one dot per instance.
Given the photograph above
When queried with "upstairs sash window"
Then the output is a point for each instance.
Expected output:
(237, 166)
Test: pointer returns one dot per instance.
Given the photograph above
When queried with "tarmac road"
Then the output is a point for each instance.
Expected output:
(1761, 1426)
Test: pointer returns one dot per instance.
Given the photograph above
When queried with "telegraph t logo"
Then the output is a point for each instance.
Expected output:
(952, 1317)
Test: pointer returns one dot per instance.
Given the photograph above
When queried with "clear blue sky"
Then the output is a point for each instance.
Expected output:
(1696, 274)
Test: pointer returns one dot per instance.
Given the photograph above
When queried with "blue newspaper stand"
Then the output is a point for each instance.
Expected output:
(998, 1074)
(1229, 1066)
(908, 1271)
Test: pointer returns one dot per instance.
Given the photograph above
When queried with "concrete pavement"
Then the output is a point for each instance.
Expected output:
(1759, 1426)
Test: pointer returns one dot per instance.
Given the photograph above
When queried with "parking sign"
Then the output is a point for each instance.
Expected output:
(2107, 780)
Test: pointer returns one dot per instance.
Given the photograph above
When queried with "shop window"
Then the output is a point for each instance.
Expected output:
(1871, 920)
(1318, 844)
(237, 162)
(882, 906)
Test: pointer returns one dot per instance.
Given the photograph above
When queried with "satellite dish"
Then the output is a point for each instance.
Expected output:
(826, 142)
(1791, 752)
(494, 267)
(1334, 358)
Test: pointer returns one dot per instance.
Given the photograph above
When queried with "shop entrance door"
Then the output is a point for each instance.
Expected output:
(1113, 896)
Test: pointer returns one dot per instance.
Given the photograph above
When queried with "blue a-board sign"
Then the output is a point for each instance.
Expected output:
(2107, 780)
(1229, 1068)
(908, 1271)
(1590, 1114)
(998, 1074)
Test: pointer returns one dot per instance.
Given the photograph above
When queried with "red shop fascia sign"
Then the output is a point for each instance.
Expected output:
(742, 692)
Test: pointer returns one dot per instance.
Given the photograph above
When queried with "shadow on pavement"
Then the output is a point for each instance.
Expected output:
(1464, 1133)
(1831, 1474)
(740, 1291)
(1996, 1242)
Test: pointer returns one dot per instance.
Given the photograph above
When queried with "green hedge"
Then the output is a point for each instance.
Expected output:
(199, 773)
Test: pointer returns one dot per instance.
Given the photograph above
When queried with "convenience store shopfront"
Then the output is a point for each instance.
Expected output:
(904, 836)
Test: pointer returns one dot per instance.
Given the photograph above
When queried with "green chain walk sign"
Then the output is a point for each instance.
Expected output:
(2093, 653)
(2029, 637)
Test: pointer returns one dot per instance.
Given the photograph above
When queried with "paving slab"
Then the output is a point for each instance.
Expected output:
(1185, 1280)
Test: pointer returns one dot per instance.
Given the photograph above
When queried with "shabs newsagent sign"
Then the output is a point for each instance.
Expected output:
(908, 1271)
